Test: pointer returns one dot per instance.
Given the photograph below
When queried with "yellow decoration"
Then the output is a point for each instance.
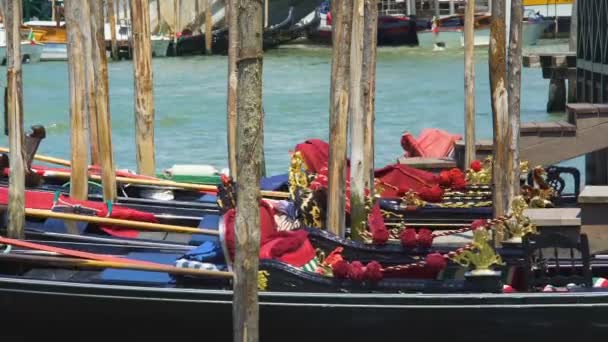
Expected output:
(297, 174)
(481, 256)
(481, 177)
(519, 225)
(262, 280)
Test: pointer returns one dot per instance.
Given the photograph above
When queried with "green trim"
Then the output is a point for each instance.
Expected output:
(207, 180)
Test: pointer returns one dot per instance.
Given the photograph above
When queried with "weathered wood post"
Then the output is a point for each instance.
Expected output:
(144, 88)
(266, 13)
(125, 12)
(53, 10)
(514, 81)
(500, 113)
(112, 23)
(358, 175)
(250, 132)
(159, 17)
(469, 83)
(208, 28)
(573, 43)
(104, 127)
(14, 80)
(233, 37)
(368, 78)
(338, 118)
(76, 12)
(87, 36)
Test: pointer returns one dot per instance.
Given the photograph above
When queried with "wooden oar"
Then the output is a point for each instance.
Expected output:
(46, 159)
(117, 222)
(127, 264)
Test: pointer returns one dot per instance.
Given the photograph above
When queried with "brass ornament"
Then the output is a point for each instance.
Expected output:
(481, 256)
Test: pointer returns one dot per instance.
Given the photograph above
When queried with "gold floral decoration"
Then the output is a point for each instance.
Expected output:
(263, 280)
(481, 256)
(297, 174)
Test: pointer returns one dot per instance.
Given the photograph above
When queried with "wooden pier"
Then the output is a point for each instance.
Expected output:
(557, 67)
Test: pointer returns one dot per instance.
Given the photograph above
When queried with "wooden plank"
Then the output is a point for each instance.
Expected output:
(76, 12)
(370, 42)
(500, 115)
(14, 80)
(112, 23)
(528, 128)
(358, 174)
(144, 88)
(101, 98)
(338, 122)
(469, 83)
(231, 113)
(250, 141)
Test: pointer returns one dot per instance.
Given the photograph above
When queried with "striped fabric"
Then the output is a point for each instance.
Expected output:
(311, 266)
(185, 263)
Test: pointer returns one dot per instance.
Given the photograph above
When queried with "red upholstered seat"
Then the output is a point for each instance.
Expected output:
(432, 143)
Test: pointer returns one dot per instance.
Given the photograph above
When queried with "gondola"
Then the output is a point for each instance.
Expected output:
(294, 303)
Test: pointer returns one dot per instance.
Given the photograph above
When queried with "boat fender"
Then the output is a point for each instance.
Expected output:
(191, 170)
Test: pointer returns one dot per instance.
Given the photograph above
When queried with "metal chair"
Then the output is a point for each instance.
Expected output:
(557, 260)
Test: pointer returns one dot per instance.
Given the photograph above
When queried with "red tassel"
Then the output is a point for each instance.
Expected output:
(425, 238)
(459, 183)
(375, 221)
(408, 238)
(340, 269)
(478, 224)
(373, 271)
(435, 262)
(445, 178)
(433, 194)
(356, 271)
(476, 165)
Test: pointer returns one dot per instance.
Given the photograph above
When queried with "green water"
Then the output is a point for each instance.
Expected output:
(415, 89)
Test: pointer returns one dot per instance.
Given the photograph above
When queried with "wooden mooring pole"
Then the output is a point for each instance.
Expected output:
(250, 132)
(76, 12)
(144, 88)
(514, 81)
(88, 37)
(338, 118)
(16, 185)
(500, 113)
(469, 83)
(368, 79)
(101, 98)
(233, 38)
(208, 27)
(112, 23)
(159, 18)
(358, 175)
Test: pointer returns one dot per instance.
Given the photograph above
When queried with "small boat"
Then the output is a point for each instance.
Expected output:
(54, 37)
(448, 32)
(393, 29)
(31, 50)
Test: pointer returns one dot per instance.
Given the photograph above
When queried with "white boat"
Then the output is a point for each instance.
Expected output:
(160, 44)
(550, 8)
(450, 33)
(30, 50)
(54, 39)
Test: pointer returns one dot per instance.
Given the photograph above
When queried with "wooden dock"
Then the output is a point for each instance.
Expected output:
(557, 67)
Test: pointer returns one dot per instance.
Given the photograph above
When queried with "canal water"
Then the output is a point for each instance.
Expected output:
(416, 89)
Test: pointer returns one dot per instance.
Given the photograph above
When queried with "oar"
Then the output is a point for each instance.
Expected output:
(167, 183)
(117, 222)
(46, 159)
(127, 264)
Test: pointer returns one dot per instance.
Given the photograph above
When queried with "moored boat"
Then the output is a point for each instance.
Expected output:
(31, 50)
(54, 37)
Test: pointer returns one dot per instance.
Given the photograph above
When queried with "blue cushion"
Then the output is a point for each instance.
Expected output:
(208, 222)
(148, 277)
(57, 226)
(207, 198)
(274, 183)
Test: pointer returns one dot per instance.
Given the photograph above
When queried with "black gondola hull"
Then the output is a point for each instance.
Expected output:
(68, 308)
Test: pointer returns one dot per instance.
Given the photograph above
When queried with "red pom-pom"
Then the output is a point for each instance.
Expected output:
(425, 238)
(373, 271)
(476, 165)
(507, 289)
(356, 271)
(478, 224)
(340, 269)
(459, 183)
(435, 262)
(456, 172)
(445, 178)
(408, 238)
(433, 194)
(380, 236)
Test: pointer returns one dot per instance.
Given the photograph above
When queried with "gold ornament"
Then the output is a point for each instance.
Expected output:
(518, 226)
(481, 256)
(297, 174)
(263, 280)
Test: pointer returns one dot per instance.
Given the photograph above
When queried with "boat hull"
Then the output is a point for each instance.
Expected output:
(160, 47)
(57, 308)
(30, 53)
(54, 52)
